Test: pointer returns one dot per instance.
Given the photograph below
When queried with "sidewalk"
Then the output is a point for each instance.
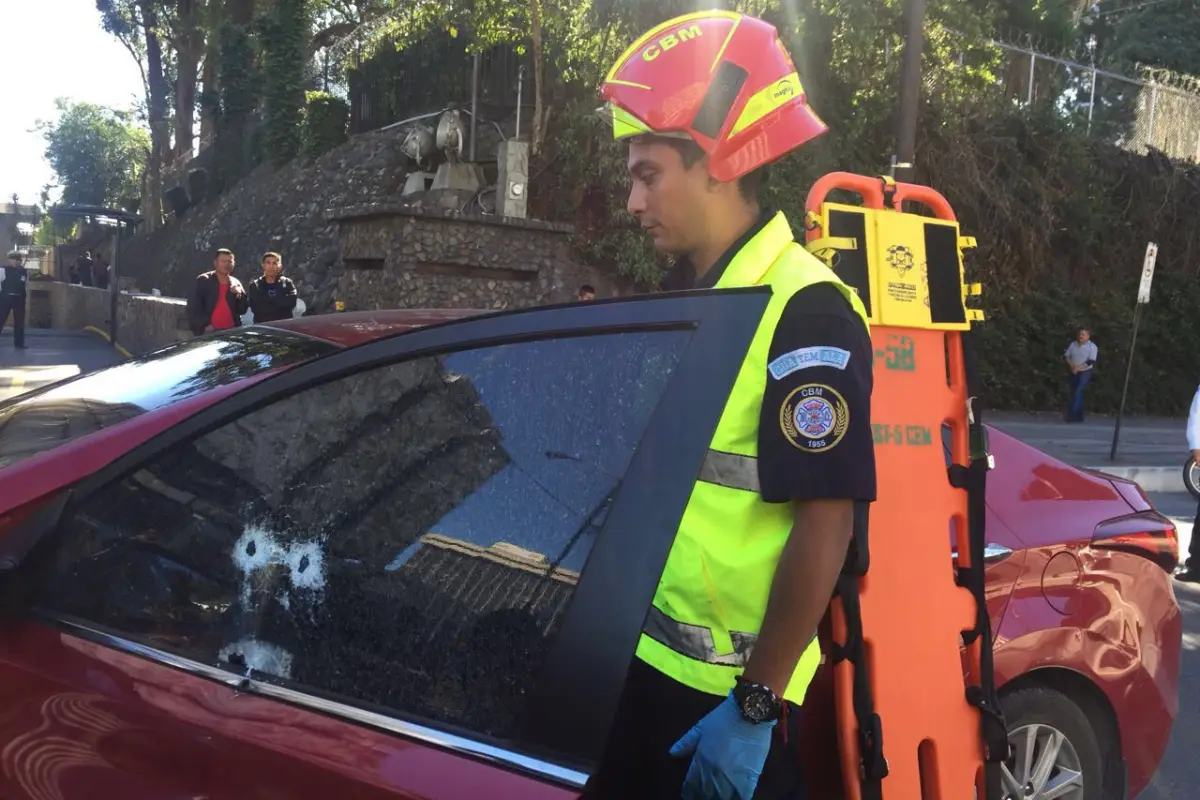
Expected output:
(1152, 450)
(49, 355)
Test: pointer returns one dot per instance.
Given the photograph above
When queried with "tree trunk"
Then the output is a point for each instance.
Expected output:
(208, 109)
(189, 49)
(160, 134)
(535, 33)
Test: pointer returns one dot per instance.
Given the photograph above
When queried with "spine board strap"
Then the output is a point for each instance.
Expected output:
(873, 767)
(973, 478)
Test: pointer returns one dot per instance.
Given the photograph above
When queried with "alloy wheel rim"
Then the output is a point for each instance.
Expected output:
(1043, 765)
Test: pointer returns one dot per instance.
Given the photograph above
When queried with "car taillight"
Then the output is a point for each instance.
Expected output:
(1147, 534)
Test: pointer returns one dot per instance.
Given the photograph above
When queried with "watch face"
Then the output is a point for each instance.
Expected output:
(758, 706)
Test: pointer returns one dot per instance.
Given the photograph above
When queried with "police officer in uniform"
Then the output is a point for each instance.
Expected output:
(711, 705)
(13, 283)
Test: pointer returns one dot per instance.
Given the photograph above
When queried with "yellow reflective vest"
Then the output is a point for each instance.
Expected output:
(712, 596)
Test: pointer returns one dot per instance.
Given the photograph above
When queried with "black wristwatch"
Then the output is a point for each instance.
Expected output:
(757, 703)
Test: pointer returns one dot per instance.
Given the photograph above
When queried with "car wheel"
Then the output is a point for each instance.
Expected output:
(1191, 477)
(1055, 754)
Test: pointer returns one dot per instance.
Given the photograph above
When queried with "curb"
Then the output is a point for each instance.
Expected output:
(1151, 479)
(104, 335)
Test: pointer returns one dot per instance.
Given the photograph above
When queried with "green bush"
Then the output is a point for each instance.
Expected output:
(1062, 223)
(326, 119)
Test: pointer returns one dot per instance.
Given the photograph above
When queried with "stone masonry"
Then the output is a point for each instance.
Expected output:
(394, 256)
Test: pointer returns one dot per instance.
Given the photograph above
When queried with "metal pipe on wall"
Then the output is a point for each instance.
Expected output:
(474, 102)
(520, 84)
(114, 286)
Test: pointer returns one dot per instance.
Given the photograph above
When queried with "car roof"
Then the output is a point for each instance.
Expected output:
(355, 327)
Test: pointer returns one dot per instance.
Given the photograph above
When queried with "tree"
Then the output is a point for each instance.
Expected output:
(96, 152)
(1160, 35)
(286, 34)
(136, 24)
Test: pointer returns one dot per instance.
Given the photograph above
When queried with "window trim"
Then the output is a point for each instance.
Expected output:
(615, 590)
(454, 743)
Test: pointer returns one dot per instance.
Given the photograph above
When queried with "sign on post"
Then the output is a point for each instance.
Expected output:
(1147, 273)
(1143, 298)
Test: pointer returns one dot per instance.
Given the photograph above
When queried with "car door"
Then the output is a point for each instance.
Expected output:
(1003, 554)
(416, 568)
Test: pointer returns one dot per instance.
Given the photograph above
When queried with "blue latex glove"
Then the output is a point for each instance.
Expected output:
(728, 752)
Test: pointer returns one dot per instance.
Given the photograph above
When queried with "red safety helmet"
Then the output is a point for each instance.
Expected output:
(720, 78)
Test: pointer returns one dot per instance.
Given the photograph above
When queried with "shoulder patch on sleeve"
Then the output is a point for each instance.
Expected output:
(805, 357)
(814, 417)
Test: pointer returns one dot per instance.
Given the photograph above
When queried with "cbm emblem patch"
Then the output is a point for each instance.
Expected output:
(814, 417)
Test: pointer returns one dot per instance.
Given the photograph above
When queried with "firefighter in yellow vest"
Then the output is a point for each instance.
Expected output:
(711, 704)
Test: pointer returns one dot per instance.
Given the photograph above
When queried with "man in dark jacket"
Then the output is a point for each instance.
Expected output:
(84, 265)
(13, 282)
(272, 296)
(218, 300)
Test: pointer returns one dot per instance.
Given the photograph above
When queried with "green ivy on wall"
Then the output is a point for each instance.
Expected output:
(237, 97)
(284, 30)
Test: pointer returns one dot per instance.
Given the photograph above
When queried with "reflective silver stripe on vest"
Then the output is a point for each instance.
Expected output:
(731, 470)
(695, 641)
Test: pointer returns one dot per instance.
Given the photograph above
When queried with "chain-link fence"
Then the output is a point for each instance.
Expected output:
(1132, 113)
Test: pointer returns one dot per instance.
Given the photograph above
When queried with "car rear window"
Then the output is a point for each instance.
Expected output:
(64, 412)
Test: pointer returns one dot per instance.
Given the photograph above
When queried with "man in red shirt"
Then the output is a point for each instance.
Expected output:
(218, 300)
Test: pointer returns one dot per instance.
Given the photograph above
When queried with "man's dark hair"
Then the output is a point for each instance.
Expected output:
(749, 185)
(269, 254)
(224, 251)
(587, 289)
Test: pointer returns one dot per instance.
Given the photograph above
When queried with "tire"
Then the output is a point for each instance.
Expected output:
(1047, 714)
(1191, 477)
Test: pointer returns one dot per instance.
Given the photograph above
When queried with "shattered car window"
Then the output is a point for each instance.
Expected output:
(407, 537)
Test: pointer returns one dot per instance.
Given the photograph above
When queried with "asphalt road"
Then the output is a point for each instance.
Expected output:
(49, 356)
(1178, 777)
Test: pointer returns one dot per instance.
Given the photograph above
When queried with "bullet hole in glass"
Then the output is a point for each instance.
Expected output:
(303, 564)
(251, 548)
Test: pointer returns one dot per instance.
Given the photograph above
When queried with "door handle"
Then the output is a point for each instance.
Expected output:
(991, 553)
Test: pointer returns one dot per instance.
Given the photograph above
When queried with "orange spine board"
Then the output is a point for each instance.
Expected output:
(912, 610)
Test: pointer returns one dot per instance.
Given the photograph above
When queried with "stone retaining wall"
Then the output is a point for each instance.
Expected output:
(394, 256)
(144, 322)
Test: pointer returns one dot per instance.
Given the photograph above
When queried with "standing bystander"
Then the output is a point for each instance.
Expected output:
(1080, 356)
(13, 284)
(587, 292)
(84, 265)
(272, 296)
(99, 270)
(218, 300)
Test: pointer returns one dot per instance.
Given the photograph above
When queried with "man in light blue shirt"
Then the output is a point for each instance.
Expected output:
(1080, 356)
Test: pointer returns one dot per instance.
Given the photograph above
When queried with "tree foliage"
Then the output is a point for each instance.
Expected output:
(238, 99)
(325, 122)
(97, 153)
(285, 31)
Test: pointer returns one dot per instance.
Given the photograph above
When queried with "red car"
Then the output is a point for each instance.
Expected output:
(366, 555)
